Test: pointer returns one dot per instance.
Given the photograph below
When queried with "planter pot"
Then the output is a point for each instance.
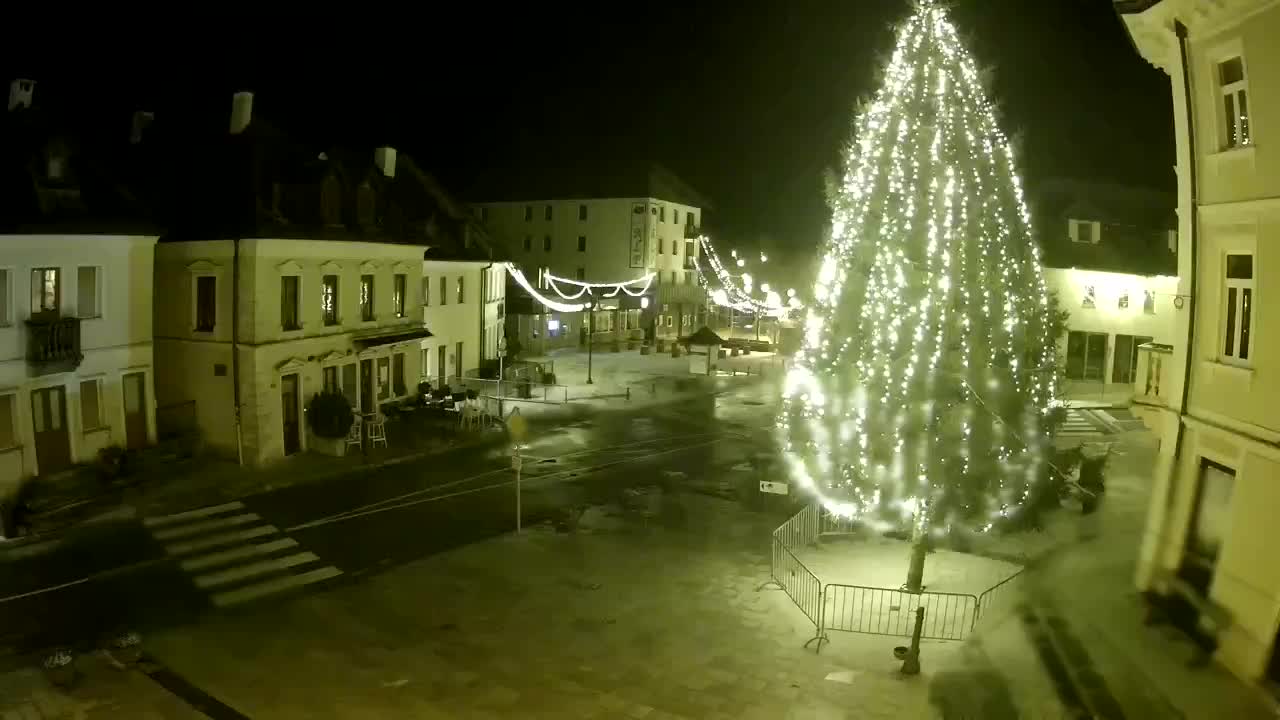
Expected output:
(722, 354)
(662, 345)
(734, 352)
(676, 351)
(632, 344)
(63, 676)
(645, 349)
(334, 447)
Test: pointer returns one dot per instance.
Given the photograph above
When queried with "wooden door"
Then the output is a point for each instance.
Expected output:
(289, 414)
(135, 409)
(49, 421)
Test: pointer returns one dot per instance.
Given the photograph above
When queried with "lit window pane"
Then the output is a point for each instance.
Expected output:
(1230, 349)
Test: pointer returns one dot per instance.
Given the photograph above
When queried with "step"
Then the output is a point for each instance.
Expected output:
(213, 541)
(273, 586)
(244, 572)
(224, 557)
(192, 514)
(197, 528)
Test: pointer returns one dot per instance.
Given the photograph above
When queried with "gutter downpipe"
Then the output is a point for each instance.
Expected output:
(235, 346)
(1193, 178)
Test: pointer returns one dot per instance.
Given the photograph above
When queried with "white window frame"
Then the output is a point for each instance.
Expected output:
(1095, 231)
(1090, 297)
(298, 305)
(13, 420)
(98, 292)
(1237, 332)
(1239, 122)
(102, 421)
(6, 296)
(195, 301)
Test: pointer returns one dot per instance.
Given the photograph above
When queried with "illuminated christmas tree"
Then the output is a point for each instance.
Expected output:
(922, 395)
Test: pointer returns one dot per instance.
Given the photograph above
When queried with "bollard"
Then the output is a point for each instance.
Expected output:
(628, 392)
(911, 660)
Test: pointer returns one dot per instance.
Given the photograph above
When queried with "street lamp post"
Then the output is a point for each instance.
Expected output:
(502, 356)
(591, 332)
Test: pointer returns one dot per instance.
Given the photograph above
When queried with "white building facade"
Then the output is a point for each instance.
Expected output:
(1211, 528)
(603, 240)
(75, 350)
(463, 309)
(311, 315)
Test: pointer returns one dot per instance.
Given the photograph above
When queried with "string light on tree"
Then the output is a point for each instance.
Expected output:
(920, 396)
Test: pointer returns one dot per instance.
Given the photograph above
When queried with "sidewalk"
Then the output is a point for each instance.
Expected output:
(646, 612)
(104, 691)
(164, 486)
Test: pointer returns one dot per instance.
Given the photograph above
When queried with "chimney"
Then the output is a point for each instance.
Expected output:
(385, 159)
(241, 111)
(20, 91)
(141, 121)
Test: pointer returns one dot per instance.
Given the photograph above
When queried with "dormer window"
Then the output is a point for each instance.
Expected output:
(1084, 231)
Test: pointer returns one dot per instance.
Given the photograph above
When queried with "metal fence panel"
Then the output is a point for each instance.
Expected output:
(798, 582)
(997, 602)
(880, 611)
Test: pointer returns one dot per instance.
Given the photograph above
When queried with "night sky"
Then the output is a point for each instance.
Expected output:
(748, 101)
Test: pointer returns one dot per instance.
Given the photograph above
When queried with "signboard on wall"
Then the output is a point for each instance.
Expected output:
(638, 246)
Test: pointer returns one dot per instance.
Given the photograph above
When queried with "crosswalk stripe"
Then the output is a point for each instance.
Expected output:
(182, 531)
(192, 514)
(244, 572)
(224, 557)
(213, 541)
(272, 586)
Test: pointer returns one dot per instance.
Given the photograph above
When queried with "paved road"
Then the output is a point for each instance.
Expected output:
(160, 571)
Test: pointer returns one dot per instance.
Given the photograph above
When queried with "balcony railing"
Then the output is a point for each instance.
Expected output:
(53, 344)
(691, 232)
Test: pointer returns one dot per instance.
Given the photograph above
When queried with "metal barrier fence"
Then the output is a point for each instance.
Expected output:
(872, 610)
(880, 611)
(509, 389)
(997, 601)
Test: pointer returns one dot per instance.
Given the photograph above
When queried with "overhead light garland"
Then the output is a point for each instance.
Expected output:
(930, 290)
(518, 275)
(585, 288)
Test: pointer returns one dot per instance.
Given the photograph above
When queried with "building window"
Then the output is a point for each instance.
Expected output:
(398, 283)
(1123, 303)
(329, 299)
(366, 298)
(582, 212)
(90, 404)
(88, 304)
(46, 294)
(1235, 102)
(397, 374)
(582, 274)
(1083, 232)
(384, 378)
(528, 243)
(1149, 302)
(8, 426)
(329, 378)
(688, 250)
(206, 303)
(1089, 297)
(1238, 303)
(661, 246)
(444, 290)
(546, 213)
(289, 302)
(426, 290)
(675, 247)
(662, 214)
(350, 388)
(484, 214)
(546, 243)
(1210, 521)
(5, 303)
(528, 213)
(462, 295)
(1086, 355)
(582, 243)
(675, 216)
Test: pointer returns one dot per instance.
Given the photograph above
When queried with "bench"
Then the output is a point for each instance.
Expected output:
(1172, 596)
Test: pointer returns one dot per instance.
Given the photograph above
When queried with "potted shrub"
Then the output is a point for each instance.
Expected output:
(676, 350)
(60, 668)
(645, 349)
(330, 417)
(661, 345)
(126, 648)
(113, 463)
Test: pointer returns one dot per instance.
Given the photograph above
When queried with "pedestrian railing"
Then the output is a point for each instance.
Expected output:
(873, 610)
(512, 389)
